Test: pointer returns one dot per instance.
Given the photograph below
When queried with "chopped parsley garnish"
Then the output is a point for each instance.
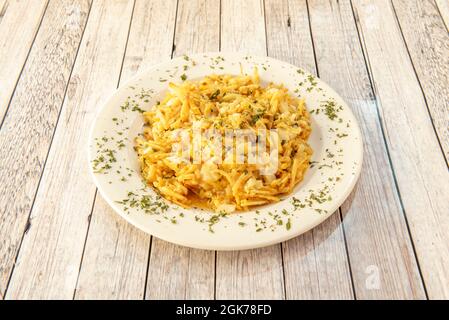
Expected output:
(214, 95)
(288, 225)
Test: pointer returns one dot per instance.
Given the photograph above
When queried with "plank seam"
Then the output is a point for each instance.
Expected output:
(339, 209)
(315, 262)
(419, 83)
(148, 269)
(173, 48)
(441, 16)
(219, 26)
(23, 66)
(283, 271)
(280, 246)
(49, 147)
(377, 101)
(215, 275)
(96, 190)
(84, 245)
(311, 38)
(219, 50)
(126, 44)
(3, 9)
(347, 255)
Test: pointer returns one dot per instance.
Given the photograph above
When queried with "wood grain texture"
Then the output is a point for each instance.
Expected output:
(443, 8)
(238, 31)
(177, 272)
(29, 125)
(375, 228)
(419, 165)
(151, 36)
(116, 256)
(49, 260)
(3, 7)
(250, 274)
(427, 42)
(20, 21)
(197, 27)
(316, 263)
(74, 245)
(258, 273)
(115, 259)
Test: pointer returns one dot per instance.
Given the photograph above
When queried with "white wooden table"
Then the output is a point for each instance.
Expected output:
(59, 61)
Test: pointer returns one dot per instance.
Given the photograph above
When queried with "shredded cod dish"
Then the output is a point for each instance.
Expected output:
(225, 143)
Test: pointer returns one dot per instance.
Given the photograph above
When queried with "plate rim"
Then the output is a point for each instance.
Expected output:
(282, 237)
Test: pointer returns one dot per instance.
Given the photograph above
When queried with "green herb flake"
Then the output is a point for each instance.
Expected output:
(288, 225)
(214, 95)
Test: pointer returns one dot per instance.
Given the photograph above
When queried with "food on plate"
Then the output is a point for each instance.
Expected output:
(193, 154)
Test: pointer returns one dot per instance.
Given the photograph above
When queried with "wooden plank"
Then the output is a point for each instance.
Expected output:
(116, 256)
(49, 260)
(20, 21)
(419, 165)
(238, 32)
(443, 8)
(316, 263)
(3, 7)
(151, 35)
(376, 231)
(29, 125)
(177, 272)
(249, 274)
(288, 33)
(197, 27)
(427, 42)
(115, 259)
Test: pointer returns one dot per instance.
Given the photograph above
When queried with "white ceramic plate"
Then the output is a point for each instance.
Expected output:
(335, 140)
